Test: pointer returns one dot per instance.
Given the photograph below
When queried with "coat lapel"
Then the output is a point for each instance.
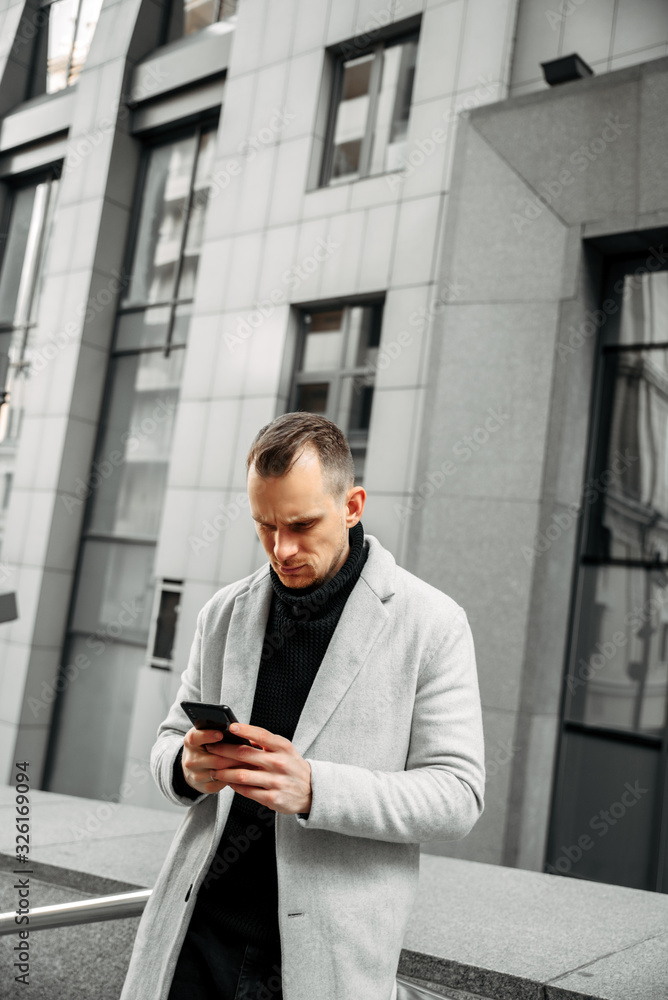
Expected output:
(243, 648)
(363, 619)
(361, 622)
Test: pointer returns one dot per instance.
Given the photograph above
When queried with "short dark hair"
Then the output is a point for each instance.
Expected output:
(278, 445)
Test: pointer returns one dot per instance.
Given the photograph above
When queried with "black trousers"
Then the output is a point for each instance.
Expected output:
(211, 969)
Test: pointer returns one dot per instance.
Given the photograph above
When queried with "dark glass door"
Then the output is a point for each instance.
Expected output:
(609, 816)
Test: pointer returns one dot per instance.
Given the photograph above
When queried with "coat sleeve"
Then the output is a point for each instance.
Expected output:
(440, 794)
(171, 732)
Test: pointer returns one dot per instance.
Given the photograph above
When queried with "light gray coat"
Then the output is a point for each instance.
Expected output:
(392, 730)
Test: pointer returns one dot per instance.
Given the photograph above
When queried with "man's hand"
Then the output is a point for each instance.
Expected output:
(276, 776)
(196, 760)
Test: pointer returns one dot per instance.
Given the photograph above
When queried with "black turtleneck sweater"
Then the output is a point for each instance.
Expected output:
(239, 894)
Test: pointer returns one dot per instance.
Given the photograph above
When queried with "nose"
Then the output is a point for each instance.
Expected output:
(285, 546)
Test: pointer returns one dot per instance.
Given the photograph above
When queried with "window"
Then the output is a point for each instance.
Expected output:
(166, 622)
(27, 226)
(30, 216)
(66, 29)
(615, 726)
(335, 372)
(188, 16)
(114, 599)
(368, 121)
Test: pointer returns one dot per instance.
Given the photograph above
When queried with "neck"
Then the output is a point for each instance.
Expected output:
(348, 566)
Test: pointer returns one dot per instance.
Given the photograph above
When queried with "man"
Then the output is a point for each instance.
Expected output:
(294, 872)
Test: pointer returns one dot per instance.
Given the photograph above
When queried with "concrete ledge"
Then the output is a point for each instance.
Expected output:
(501, 933)
(90, 842)
(518, 935)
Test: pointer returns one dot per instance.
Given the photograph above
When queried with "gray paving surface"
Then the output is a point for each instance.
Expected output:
(477, 931)
(88, 962)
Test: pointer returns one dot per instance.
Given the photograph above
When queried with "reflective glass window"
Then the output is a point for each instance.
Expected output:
(128, 479)
(394, 102)
(370, 109)
(335, 375)
(162, 224)
(188, 16)
(115, 591)
(618, 676)
(114, 600)
(22, 247)
(615, 719)
(65, 33)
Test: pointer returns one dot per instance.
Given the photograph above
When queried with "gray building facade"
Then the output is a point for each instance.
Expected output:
(215, 213)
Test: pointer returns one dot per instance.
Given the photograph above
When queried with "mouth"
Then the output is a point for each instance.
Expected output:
(289, 569)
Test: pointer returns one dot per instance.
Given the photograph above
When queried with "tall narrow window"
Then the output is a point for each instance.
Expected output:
(28, 226)
(368, 122)
(188, 16)
(66, 29)
(612, 784)
(114, 598)
(336, 370)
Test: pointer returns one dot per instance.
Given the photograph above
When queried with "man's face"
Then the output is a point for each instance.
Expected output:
(303, 528)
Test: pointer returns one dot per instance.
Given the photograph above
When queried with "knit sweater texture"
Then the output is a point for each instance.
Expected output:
(239, 894)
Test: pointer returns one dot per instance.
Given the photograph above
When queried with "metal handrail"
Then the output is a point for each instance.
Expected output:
(82, 911)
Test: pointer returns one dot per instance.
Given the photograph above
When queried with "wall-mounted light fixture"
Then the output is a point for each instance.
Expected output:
(565, 69)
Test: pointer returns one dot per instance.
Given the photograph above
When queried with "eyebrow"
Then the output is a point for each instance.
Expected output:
(299, 519)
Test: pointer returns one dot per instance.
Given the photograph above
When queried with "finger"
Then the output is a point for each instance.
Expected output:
(198, 737)
(259, 795)
(239, 776)
(266, 739)
(237, 751)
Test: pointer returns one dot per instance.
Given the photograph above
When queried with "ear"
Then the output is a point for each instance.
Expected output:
(355, 500)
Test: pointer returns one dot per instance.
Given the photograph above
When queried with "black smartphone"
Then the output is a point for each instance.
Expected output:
(218, 717)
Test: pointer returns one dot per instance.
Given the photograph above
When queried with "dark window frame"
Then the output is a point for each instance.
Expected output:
(169, 35)
(335, 377)
(49, 175)
(40, 51)
(590, 552)
(88, 533)
(378, 41)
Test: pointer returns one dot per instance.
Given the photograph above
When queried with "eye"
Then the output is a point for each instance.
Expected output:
(303, 527)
